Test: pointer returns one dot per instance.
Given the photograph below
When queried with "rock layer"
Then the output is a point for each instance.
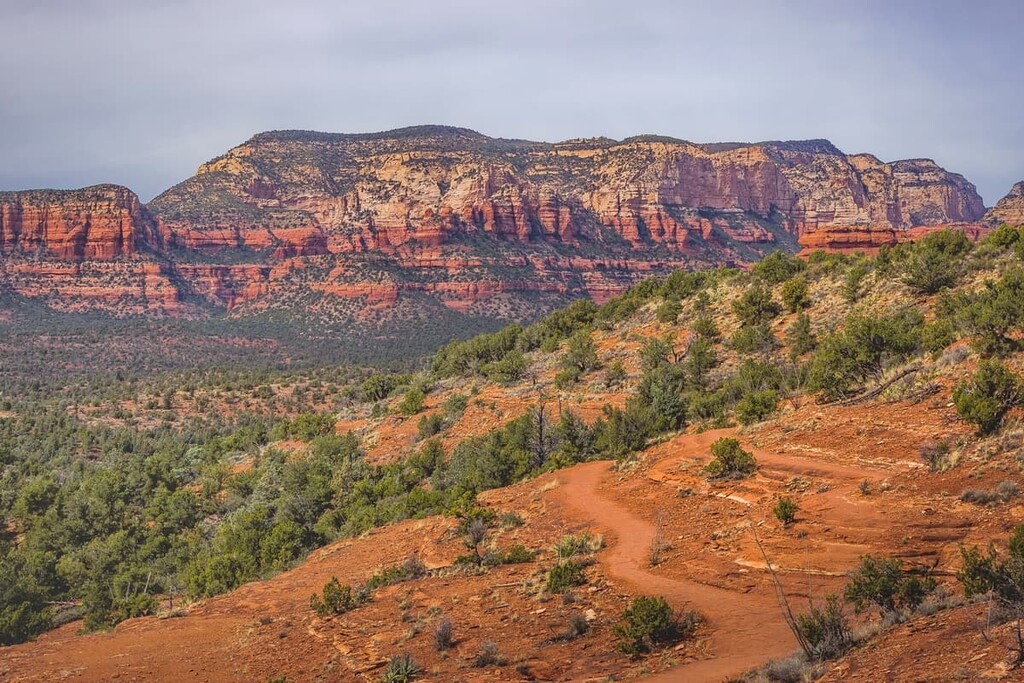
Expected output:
(1009, 209)
(307, 221)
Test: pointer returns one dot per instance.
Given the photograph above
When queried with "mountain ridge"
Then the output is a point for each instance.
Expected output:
(499, 228)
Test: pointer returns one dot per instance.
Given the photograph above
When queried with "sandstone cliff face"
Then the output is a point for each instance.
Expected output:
(1009, 209)
(308, 221)
(101, 222)
(431, 186)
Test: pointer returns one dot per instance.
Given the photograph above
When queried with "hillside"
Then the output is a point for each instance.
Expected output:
(530, 484)
(376, 235)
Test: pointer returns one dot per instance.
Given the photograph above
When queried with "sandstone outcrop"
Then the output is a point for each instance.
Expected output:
(301, 219)
(1009, 209)
(102, 222)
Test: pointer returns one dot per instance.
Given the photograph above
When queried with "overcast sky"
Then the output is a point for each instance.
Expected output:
(140, 92)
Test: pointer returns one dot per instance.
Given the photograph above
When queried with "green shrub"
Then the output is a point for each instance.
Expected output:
(580, 354)
(992, 392)
(936, 336)
(755, 406)
(993, 316)
(730, 460)
(565, 575)
(936, 261)
(654, 353)
(867, 345)
(753, 339)
(704, 327)
(669, 310)
(430, 425)
(778, 267)
(1002, 578)
(661, 392)
(510, 368)
(517, 554)
(620, 433)
(567, 377)
(401, 669)
(335, 599)
(756, 306)
(649, 622)
(825, 630)
(614, 374)
(785, 510)
(883, 583)
(795, 295)
(800, 337)
(412, 402)
(853, 283)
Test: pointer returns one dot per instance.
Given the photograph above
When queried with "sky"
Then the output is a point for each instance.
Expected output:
(140, 92)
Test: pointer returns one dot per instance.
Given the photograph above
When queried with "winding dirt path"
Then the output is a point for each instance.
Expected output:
(747, 628)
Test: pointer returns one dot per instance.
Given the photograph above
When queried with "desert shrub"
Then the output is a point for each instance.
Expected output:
(567, 377)
(700, 359)
(580, 353)
(489, 654)
(411, 568)
(661, 391)
(1002, 578)
(993, 316)
(1002, 238)
(575, 545)
(517, 554)
(412, 402)
(756, 406)
(825, 630)
(883, 583)
(454, 405)
(510, 520)
(23, 609)
(756, 307)
(853, 283)
(937, 335)
(334, 599)
(565, 575)
(1003, 492)
(800, 337)
(510, 368)
(464, 358)
(576, 627)
(620, 433)
(992, 392)
(730, 460)
(682, 284)
(430, 425)
(753, 339)
(654, 353)
(444, 634)
(649, 622)
(864, 348)
(401, 669)
(669, 311)
(795, 294)
(378, 386)
(614, 374)
(778, 267)
(704, 327)
(935, 262)
(785, 510)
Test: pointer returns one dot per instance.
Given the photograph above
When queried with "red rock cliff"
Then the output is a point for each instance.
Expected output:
(100, 222)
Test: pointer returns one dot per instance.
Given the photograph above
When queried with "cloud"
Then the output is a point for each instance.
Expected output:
(141, 93)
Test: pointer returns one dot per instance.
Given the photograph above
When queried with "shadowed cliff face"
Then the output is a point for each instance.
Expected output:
(500, 228)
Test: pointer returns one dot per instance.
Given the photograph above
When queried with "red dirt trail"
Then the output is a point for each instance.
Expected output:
(747, 627)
